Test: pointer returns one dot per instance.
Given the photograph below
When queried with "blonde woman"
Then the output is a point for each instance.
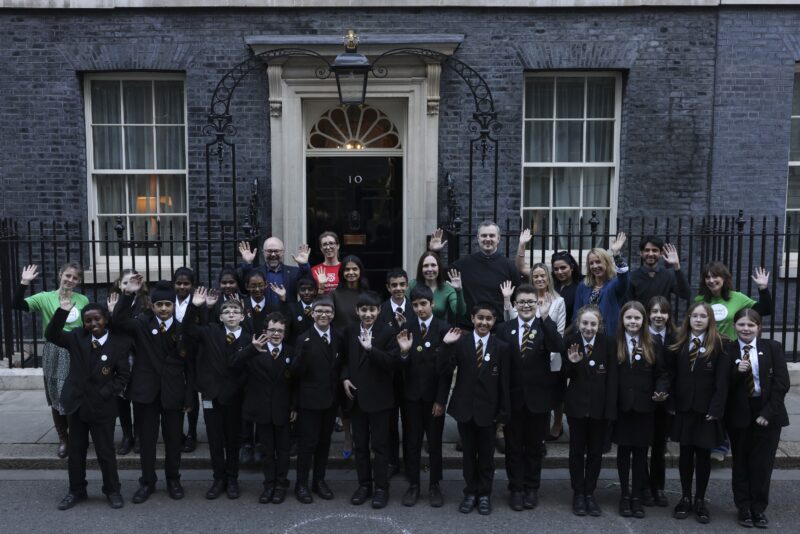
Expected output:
(605, 283)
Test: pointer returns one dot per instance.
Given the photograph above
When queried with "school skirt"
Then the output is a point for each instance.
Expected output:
(634, 429)
(691, 428)
(55, 368)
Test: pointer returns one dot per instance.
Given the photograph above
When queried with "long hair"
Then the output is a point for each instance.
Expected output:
(142, 296)
(551, 290)
(751, 314)
(594, 310)
(665, 307)
(439, 276)
(363, 284)
(712, 339)
(716, 268)
(645, 340)
(566, 257)
(608, 261)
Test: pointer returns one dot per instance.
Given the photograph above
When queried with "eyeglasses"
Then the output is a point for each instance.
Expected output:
(275, 330)
(526, 303)
(329, 245)
(320, 312)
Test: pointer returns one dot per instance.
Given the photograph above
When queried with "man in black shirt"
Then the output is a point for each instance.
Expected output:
(654, 279)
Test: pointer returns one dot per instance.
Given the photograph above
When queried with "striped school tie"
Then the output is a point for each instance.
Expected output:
(589, 349)
(230, 338)
(527, 339)
(275, 353)
(479, 353)
(423, 330)
(95, 344)
(163, 328)
(749, 379)
(693, 352)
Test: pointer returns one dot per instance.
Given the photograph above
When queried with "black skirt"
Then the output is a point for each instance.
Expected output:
(634, 429)
(691, 428)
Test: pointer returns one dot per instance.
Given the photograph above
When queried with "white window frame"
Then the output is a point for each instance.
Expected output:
(613, 165)
(110, 268)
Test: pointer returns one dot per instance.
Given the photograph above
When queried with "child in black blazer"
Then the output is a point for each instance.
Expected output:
(754, 414)
(99, 371)
(699, 372)
(643, 382)
(590, 403)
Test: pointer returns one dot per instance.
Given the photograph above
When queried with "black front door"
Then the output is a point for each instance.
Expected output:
(361, 199)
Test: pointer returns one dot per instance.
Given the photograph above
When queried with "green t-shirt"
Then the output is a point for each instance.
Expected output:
(448, 304)
(724, 310)
(46, 303)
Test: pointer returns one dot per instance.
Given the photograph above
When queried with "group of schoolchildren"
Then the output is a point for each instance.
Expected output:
(285, 372)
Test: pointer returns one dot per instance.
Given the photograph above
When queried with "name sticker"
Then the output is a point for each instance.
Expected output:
(287, 360)
(637, 357)
(428, 344)
(591, 363)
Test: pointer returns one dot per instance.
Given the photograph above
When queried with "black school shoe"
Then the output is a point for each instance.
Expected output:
(683, 508)
(380, 499)
(625, 506)
(174, 489)
(71, 499)
(661, 498)
(636, 508)
(361, 495)
(744, 518)
(484, 505)
(468, 504)
(579, 504)
(531, 499)
(216, 489)
(435, 497)
(143, 493)
(760, 520)
(115, 500)
(267, 494)
(591, 506)
(701, 512)
(411, 496)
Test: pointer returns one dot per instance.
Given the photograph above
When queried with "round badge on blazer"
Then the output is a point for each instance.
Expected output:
(419, 348)
(638, 357)
(591, 363)
(287, 360)
(486, 358)
(513, 332)
(103, 358)
(154, 331)
(701, 350)
(427, 344)
(299, 317)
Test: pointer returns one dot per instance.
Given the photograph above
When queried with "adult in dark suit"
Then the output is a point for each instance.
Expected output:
(425, 393)
(316, 370)
(161, 383)
(480, 400)
(754, 415)
(98, 372)
(530, 338)
(368, 368)
(269, 402)
(274, 270)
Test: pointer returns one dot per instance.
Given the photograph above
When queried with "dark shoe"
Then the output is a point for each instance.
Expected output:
(393, 469)
(411, 495)
(125, 446)
(435, 498)
(683, 508)
(760, 520)
(531, 499)
(266, 495)
(701, 512)
(322, 489)
(380, 499)
(190, 444)
(246, 455)
(591, 506)
(578, 504)
(636, 507)
(661, 498)
(484, 505)
(468, 504)
(303, 494)
(515, 501)
(744, 518)
(279, 495)
(216, 489)
(175, 489)
(625, 507)
(647, 498)
(71, 499)
(361, 495)
(62, 451)
(233, 488)
(143, 493)
(115, 501)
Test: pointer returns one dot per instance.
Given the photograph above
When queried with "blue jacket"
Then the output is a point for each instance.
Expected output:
(612, 297)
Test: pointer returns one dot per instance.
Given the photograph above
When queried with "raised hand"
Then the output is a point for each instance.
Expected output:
(65, 299)
(618, 243)
(543, 305)
(199, 296)
(321, 276)
(455, 279)
(452, 335)
(525, 237)
(436, 244)
(365, 338)
(134, 284)
(111, 301)
(279, 290)
(671, 255)
(29, 274)
(301, 256)
(260, 342)
(212, 297)
(574, 354)
(761, 278)
(248, 255)
(507, 289)
(400, 318)
(404, 341)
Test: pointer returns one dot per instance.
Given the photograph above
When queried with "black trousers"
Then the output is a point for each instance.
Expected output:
(150, 415)
(477, 451)
(316, 427)
(371, 431)
(525, 433)
(193, 415)
(103, 439)
(128, 424)
(753, 450)
(656, 476)
(627, 458)
(223, 424)
(275, 441)
(421, 421)
(586, 441)
(398, 426)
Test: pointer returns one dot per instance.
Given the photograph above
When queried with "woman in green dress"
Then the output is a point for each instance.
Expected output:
(448, 299)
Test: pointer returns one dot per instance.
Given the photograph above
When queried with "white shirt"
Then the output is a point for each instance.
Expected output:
(180, 308)
(236, 333)
(753, 364)
(521, 331)
(591, 342)
(655, 333)
(484, 339)
(401, 305)
(262, 303)
(323, 334)
(426, 322)
(102, 340)
(271, 347)
(630, 339)
(167, 324)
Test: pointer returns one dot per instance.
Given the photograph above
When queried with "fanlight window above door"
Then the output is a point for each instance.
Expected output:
(354, 128)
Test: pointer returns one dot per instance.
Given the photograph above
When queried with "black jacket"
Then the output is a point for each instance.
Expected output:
(638, 380)
(422, 379)
(702, 389)
(92, 382)
(371, 371)
(268, 396)
(297, 321)
(316, 368)
(592, 389)
(386, 316)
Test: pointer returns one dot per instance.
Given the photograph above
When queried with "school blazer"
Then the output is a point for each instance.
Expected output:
(532, 384)
(592, 389)
(481, 394)
(213, 376)
(92, 383)
(639, 380)
(160, 367)
(371, 371)
(256, 322)
(422, 380)
(386, 315)
(774, 380)
(316, 367)
(297, 321)
(269, 388)
(702, 390)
